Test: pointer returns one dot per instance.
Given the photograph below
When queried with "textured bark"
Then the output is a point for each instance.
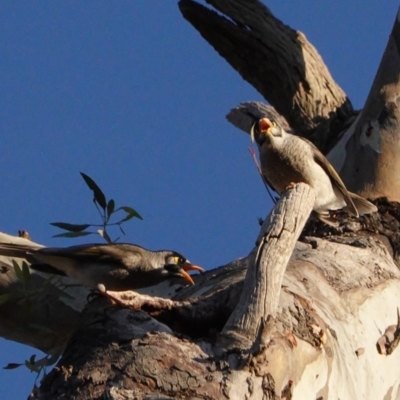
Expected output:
(338, 296)
(278, 61)
(329, 331)
(262, 285)
(41, 313)
(372, 154)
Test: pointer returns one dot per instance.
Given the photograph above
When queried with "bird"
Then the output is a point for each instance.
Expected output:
(287, 159)
(115, 266)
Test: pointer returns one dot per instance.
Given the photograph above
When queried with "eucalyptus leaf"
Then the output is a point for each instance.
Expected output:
(104, 234)
(18, 272)
(108, 239)
(12, 366)
(26, 272)
(99, 196)
(131, 213)
(110, 208)
(32, 366)
(70, 227)
(73, 234)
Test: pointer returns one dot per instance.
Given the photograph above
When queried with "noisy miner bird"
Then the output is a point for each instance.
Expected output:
(118, 267)
(287, 159)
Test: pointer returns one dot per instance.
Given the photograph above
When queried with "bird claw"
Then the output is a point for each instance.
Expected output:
(102, 291)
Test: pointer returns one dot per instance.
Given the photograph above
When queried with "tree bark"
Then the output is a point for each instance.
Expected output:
(337, 298)
(279, 62)
(39, 313)
(262, 285)
(372, 152)
(323, 325)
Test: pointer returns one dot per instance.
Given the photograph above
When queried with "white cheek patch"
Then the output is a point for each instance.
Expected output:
(370, 136)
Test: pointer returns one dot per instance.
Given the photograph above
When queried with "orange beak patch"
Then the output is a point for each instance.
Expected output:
(186, 276)
(189, 267)
(264, 125)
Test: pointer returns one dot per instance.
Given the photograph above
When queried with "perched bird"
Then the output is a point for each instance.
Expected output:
(118, 267)
(287, 159)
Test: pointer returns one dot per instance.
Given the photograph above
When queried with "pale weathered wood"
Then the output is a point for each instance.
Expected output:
(278, 61)
(262, 285)
(245, 114)
(53, 311)
(335, 299)
(372, 153)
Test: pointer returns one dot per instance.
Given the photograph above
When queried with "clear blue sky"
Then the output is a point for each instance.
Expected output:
(129, 93)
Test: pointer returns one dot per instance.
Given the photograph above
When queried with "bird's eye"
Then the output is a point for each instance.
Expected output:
(173, 260)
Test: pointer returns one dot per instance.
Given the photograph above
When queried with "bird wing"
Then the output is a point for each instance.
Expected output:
(95, 253)
(333, 175)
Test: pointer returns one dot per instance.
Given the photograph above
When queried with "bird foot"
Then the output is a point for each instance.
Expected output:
(115, 298)
(101, 291)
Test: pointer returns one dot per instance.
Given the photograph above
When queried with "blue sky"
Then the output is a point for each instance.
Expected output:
(129, 93)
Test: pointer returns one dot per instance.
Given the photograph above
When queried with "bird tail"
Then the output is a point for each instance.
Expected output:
(24, 251)
(363, 206)
(326, 218)
(16, 250)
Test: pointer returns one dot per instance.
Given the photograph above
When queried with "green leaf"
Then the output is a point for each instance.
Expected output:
(18, 272)
(73, 234)
(26, 272)
(5, 297)
(110, 208)
(70, 227)
(12, 366)
(97, 192)
(131, 214)
(104, 234)
(32, 367)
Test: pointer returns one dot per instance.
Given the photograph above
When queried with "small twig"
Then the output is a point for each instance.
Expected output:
(253, 153)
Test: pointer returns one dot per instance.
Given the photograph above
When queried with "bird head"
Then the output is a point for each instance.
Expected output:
(264, 129)
(177, 266)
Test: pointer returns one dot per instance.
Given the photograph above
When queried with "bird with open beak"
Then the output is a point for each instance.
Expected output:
(118, 267)
(287, 159)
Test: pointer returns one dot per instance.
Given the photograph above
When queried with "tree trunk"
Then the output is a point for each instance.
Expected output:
(314, 317)
(320, 340)
(372, 152)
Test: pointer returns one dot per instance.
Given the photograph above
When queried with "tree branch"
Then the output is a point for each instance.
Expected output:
(372, 153)
(278, 61)
(262, 285)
